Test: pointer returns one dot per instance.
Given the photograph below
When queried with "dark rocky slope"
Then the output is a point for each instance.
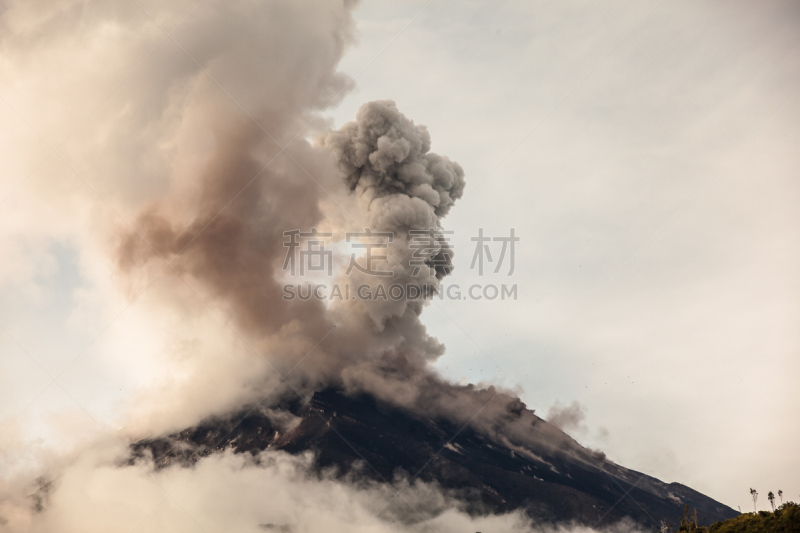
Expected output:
(380, 441)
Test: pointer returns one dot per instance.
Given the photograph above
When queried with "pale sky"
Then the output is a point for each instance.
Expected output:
(645, 153)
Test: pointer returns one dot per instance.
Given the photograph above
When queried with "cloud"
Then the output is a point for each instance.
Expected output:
(272, 491)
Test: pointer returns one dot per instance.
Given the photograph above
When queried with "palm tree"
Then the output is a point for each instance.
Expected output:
(780, 495)
(754, 495)
(771, 498)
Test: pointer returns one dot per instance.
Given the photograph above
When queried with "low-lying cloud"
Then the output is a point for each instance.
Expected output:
(272, 491)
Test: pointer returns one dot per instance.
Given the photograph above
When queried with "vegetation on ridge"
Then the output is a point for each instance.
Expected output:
(784, 519)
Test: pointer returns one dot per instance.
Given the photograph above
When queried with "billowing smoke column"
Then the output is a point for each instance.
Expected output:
(387, 164)
(403, 190)
(233, 244)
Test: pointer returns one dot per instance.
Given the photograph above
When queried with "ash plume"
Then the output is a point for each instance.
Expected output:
(401, 188)
(386, 162)
(233, 243)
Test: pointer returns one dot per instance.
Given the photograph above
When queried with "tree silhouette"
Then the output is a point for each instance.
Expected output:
(780, 495)
(754, 494)
(771, 498)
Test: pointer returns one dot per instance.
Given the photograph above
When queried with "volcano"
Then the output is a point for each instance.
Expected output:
(363, 437)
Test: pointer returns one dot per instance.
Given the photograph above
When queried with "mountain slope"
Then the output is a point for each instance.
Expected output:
(359, 434)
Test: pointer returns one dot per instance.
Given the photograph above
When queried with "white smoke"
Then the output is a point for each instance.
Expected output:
(273, 491)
